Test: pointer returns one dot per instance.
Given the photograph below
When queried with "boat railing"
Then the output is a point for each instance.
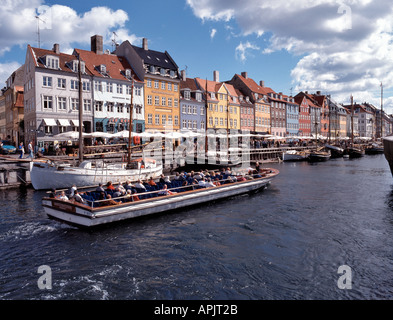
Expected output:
(162, 192)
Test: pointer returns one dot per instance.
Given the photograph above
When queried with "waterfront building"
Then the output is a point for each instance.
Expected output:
(223, 108)
(292, 117)
(386, 124)
(304, 116)
(314, 113)
(51, 94)
(161, 78)
(192, 105)
(323, 104)
(258, 95)
(13, 106)
(365, 119)
(352, 121)
(246, 112)
(2, 116)
(112, 82)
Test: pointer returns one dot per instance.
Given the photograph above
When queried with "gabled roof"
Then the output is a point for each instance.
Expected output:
(38, 54)
(156, 58)
(253, 86)
(188, 84)
(115, 65)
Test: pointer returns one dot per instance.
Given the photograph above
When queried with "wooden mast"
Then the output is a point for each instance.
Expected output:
(130, 125)
(80, 110)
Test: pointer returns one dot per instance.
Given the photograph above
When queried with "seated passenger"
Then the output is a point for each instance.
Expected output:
(110, 201)
(164, 191)
(109, 186)
(100, 188)
(202, 183)
(128, 185)
(63, 196)
(140, 185)
(152, 182)
(209, 183)
(117, 193)
(217, 182)
(78, 197)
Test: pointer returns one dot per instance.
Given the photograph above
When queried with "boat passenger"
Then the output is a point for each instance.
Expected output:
(128, 185)
(162, 179)
(72, 191)
(209, 183)
(164, 191)
(152, 182)
(216, 182)
(109, 186)
(117, 193)
(53, 193)
(63, 196)
(257, 167)
(140, 185)
(100, 188)
(109, 201)
(78, 197)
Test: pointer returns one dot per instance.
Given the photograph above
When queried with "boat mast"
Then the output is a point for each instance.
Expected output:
(352, 120)
(80, 111)
(130, 125)
(381, 109)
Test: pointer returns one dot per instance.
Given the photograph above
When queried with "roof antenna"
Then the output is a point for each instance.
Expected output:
(38, 30)
(114, 43)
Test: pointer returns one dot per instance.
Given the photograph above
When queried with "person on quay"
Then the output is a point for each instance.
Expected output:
(30, 150)
(21, 150)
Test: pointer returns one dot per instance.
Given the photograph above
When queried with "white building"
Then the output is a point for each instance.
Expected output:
(51, 94)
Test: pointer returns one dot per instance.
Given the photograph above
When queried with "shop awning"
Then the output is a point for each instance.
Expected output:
(75, 123)
(50, 122)
(63, 122)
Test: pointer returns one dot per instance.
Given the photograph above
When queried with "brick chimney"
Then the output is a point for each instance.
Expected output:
(244, 75)
(216, 76)
(262, 83)
(56, 48)
(97, 44)
(183, 75)
(144, 44)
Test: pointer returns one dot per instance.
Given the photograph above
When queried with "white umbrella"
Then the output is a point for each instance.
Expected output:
(97, 134)
(68, 135)
(173, 135)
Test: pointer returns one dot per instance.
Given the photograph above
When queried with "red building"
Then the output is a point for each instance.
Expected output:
(304, 116)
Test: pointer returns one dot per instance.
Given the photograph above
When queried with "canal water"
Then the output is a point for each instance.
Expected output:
(287, 242)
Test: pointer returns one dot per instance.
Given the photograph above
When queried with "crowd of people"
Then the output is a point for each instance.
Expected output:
(114, 194)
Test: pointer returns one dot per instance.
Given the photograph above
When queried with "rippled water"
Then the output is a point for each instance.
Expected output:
(286, 242)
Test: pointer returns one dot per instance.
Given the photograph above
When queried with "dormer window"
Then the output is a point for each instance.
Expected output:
(212, 95)
(128, 73)
(152, 69)
(102, 68)
(52, 62)
(234, 99)
(162, 71)
(74, 66)
(198, 96)
(187, 94)
(172, 73)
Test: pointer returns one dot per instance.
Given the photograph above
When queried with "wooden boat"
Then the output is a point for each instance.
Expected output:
(93, 214)
(335, 151)
(354, 152)
(319, 155)
(374, 149)
(295, 155)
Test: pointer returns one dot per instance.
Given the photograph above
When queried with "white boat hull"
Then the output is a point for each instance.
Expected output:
(45, 176)
(294, 156)
(84, 216)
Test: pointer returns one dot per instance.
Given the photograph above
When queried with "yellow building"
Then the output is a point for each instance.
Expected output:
(223, 108)
(262, 116)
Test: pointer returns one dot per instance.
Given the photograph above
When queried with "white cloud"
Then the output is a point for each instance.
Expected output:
(213, 33)
(242, 49)
(6, 69)
(58, 24)
(344, 47)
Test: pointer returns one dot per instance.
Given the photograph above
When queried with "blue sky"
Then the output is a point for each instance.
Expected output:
(341, 48)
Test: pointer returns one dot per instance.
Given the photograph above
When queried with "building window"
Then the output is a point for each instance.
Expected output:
(148, 83)
(175, 86)
(119, 88)
(86, 86)
(150, 118)
(163, 119)
(98, 106)
(156, 84)
(61, 83)
(176, 120)
(98, 86)
(62, 103)
(120, 108)
(169, 86)
(163, 101)
(87, 105)
(163, 86)
(48, 102)
(156, 100)
(74, 104)
(52, 63)
(74, 85)
(169, 102)
(109, 107)
(184, 124)
(149, 100)
(157, 119)
(109, 87)
(47, 81)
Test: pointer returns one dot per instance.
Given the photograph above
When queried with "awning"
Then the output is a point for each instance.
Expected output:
(63, 122)
(75, 123)
(50, 122)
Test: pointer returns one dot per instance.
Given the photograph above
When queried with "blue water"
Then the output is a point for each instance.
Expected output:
(286, 242)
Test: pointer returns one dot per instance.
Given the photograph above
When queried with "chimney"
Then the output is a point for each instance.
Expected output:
(262, 83)
(97, 44)
(144, 44)
(318, 93)
(56, 48)
(183, 75)
(244, 75)
(216, 76)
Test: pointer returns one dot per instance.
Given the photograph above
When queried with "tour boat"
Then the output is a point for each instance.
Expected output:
(50, 175)
(151, 202)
